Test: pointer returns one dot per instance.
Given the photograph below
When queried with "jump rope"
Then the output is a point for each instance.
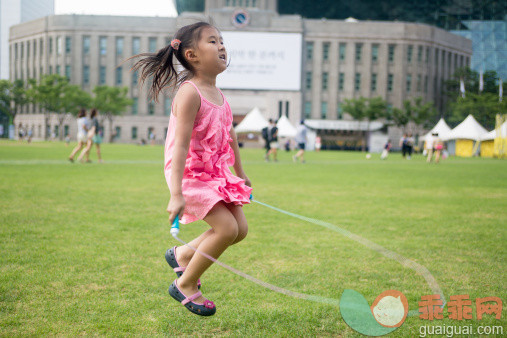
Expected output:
(420, 269)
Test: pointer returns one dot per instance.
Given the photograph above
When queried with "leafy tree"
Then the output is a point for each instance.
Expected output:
(111, 101)
(483, 105)
(12, 97)
(418, 112)
(54, 94)
(366, 109)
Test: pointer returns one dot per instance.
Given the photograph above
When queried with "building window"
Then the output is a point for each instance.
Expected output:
(41, 47)
(390, 82)
(136, 45)
(341, 81)
(134, 133)
(86, 45)
(102, 45)
(102, 75)
(119, 76)
(50, 47)
(323, 110)
(151, 108)
(67, 71)
(59, 45)
(28, 49)
(436, 57)
(427, 54)
(308, 109)
(50, 71)
(409, 82)
(419, 82)
(374, 53)
(419, 53)
(309, 50)
(308, 80)
(325, 51)
(86, 75)
(66, 130)
(409, 53)
(357, 82)
(373, 82)
(167, 106)
(359, 51)
(58, 69)
(34, 47)
(390, 57)
(339, 111)
(324, 80)
(117, 132)
(119, 45)
(426, 83)
(15, 51)
(68, 44)
(135, 76)
(152, 45)
(342, 50)
(135, 105)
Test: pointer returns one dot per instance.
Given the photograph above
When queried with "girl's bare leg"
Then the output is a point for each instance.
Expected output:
(225, 230)
(76, 149)
(99, 156)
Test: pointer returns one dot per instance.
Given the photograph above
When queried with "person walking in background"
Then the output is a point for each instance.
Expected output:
(429, 146)
(200, 146)
(273, 140)
(265, 137)
(403, 145)
(93, 137)
(410, 146)
(318, 143)
(385, 151)
(30, 134)
(301, 142)
(439, 146)
(82, 130)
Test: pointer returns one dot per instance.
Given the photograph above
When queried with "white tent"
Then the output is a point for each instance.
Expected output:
(285, 128)
(469, 129)
(492, 134)
(253, 122)
(441, 128)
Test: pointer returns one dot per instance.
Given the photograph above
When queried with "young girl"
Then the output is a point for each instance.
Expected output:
(200, 146)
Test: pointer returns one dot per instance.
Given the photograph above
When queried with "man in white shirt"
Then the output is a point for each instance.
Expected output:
(301, 142)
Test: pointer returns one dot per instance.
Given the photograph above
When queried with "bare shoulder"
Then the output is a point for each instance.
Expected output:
(187, 100)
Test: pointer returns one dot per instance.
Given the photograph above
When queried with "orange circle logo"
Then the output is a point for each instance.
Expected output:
(390, 308)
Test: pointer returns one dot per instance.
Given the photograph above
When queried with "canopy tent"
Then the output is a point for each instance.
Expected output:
(488, 140)
(285, 128)
(253, 122)
(460, 141)
(441, 128)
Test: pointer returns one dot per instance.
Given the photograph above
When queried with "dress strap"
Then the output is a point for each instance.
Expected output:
(193, 84)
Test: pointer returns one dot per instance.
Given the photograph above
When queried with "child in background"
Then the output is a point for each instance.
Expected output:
(200, 146)
(385, 152)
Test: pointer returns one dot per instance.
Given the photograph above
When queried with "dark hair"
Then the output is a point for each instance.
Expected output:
(93, 113)
(82, 113)
(160, 65)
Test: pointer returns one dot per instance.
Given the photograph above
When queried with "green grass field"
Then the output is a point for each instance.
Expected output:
(82, 245)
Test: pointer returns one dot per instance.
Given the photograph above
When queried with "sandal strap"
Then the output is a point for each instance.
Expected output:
(180, 269)
(191, 298)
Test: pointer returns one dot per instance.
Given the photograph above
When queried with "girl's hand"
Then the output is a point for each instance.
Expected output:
(247, 180)
(175, 207)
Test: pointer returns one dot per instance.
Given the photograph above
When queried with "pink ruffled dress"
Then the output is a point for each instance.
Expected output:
(207, 178)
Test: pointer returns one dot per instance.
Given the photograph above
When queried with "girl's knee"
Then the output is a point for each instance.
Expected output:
(229, 231)
(242, 232)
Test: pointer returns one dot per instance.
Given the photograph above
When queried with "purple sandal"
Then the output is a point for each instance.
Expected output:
(207, 308)
(170, 257)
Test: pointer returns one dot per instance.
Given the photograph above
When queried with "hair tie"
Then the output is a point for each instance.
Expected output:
(175, 44)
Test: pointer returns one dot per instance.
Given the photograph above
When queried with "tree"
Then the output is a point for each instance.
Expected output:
(418, 112)
(366, 109)
(12, 97)
(111, 101)
(483, 105)
(54, 94)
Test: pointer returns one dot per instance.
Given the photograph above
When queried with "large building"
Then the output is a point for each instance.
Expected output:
(283, 64)
(13, 12)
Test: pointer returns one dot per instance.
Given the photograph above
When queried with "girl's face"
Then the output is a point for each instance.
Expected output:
(211, 53)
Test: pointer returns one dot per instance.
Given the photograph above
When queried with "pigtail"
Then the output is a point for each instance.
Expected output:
(159, 67)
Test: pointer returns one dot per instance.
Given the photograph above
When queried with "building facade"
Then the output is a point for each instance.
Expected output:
(340, 60)
(13, 12)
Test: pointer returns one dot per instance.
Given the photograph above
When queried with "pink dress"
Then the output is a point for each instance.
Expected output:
(207, 178)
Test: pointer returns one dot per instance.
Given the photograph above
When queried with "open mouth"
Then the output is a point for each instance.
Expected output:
(222, 57)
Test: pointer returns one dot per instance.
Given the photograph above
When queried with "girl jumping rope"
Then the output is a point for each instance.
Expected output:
(200, 146)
